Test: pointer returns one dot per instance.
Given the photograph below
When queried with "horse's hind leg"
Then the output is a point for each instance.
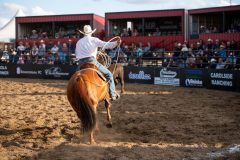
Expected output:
(91, 137)
(109, 118)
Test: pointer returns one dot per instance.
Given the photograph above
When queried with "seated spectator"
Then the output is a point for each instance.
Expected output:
(13, 57)
(20, 60)
(231, 61)
(148, 50)
(139, 50)
(41, 50)
(228, 46)
(49, 46)
(207, 31)
(234, 45)
(135, 32)
(34, 51)
(57, 61)
(177, 54)
(27, 48)
(184, 53)
(190, 62)
(216, 46)
(66, 52)
(210, 45)
(222, 53)
(202, 45)
(20, 48)
(61, 32)
(70, 47)
(221, 64)
(212, 64)
(157, 33)
(124, 33)
(54, 49)
(28, 59)
(5, 58)
(209, 50)
(43, 35)
(214, 30)
(62, 57)
(34, 34)
(59, 45)
(122, 57)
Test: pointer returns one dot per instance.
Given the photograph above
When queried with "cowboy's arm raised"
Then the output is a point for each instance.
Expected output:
(107, 45)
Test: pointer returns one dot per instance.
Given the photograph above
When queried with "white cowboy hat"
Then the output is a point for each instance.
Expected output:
(87, 30)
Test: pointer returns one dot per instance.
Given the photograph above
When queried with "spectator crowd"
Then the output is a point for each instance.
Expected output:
(213, 54)
(52, 53)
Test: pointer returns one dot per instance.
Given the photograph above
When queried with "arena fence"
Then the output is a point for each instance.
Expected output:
(202, 78)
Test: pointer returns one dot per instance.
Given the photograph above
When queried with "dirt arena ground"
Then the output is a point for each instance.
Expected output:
(149, 122)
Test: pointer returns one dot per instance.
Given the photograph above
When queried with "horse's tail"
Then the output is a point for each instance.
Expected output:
(84, 106)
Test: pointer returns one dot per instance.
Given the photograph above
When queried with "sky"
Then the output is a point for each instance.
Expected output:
(52, 7)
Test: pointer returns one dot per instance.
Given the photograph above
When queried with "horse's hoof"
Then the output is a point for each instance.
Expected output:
(109, 125)
(92, 143)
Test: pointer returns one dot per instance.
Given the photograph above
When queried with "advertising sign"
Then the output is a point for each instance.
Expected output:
(192, 78)
(167, 76)
(222, 79)
(4, 70)
(144, 75)
(28, 71)
(58, 72)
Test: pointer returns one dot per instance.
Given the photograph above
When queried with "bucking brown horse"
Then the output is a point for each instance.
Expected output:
(86, 89)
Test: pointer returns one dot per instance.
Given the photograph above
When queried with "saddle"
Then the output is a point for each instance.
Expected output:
(89, 66)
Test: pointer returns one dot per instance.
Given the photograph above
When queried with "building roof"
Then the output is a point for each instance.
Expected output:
(214, 9)
(55, 18)
(142, 14)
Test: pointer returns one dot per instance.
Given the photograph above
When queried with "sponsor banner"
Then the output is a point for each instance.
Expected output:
(192, 78)
(167, 76)
(37, 71)
(28, 71)
(221, 79)
(58, 72)
(143, 75)
(4, 70)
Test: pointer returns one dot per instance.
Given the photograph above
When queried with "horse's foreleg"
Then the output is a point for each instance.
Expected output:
(109, 118)
(122, 83)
